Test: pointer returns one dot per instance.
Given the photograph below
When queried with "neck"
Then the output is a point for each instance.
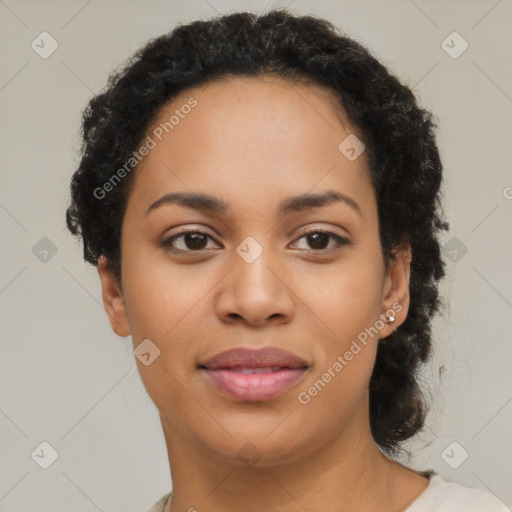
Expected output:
(346, 473)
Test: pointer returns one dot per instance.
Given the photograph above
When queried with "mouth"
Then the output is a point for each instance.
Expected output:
(254, 375)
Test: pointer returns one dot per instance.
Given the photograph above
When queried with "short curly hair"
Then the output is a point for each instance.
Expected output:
(404, 163)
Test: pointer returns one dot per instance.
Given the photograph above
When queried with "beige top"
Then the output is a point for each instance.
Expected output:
(439, 496)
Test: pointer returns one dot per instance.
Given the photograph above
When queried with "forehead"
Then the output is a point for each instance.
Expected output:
(249, 137)
(231, 108)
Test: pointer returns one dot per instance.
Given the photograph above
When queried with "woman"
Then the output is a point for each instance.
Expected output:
(262, 200)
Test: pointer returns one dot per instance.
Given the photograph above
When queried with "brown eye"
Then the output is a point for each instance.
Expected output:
(318, 241)
(187, 241)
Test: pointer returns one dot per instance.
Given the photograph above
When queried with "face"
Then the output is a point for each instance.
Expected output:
(253, 268)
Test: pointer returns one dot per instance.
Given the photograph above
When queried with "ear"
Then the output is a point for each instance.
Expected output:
(113, 300)
(396, 297)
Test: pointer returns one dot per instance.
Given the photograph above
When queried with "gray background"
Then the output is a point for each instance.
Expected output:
(68, 380)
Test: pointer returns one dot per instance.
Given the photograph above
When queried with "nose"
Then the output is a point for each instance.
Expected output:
(257, 293)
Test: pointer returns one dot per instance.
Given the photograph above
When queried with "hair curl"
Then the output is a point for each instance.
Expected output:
(405, 167)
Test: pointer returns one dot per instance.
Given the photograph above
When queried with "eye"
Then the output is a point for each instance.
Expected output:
(319, 240)
(189, 241)
(196, 241)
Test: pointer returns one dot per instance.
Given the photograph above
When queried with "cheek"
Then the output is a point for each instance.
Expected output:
(160, 304)
(159, 294)
(347, 302)
(346, 353)
(345, 296)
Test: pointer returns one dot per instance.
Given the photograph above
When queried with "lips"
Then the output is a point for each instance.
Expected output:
(254, 375)
(267, 357)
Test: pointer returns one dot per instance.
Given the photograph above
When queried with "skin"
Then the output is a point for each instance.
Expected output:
(254, 142)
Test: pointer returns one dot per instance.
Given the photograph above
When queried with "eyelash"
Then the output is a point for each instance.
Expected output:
(167, 244)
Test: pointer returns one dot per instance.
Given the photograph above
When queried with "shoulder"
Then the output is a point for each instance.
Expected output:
(160, 504)
(442, 496)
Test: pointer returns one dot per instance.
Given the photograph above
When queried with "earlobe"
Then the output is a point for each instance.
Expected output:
(396, 296)
(113, 300)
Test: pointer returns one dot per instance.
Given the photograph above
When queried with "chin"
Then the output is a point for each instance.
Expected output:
(259, 443)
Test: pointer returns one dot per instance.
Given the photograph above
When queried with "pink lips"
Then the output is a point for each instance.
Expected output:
(254, 375)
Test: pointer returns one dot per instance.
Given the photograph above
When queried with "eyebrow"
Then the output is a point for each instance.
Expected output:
(208, 203)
